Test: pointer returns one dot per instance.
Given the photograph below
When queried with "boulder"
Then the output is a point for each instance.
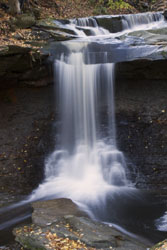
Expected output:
(59, 224)
(53, 25)
(72, 232)
(24, 21)
(165, 14)
(111, 23)
(47, 212)
(55, 29)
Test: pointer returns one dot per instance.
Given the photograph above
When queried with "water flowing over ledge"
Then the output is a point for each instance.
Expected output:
(87, 163)
(124, 38)
(105, 25)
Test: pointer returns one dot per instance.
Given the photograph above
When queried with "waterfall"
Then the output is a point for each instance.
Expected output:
(87, 163)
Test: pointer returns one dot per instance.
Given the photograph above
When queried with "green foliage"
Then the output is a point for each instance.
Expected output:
(118, 5)
(100, 10)
(103, 7)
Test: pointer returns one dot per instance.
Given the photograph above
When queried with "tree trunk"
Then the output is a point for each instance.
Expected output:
(14, 6)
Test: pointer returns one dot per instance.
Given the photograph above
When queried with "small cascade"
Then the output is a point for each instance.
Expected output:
(89, 26)
(83, 27)
(86, 21)
(112, 26)
(136, 20)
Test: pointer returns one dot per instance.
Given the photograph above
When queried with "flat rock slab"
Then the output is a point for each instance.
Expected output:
(71, 232)
(59, 224)
(47, 212)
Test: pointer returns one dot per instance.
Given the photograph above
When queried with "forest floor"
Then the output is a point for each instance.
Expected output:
(46, 9)
(59, 9)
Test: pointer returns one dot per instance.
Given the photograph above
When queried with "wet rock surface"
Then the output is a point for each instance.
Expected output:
(18, 65)
(55, 30)
(26, 118)
(111, 23)
(141, 115)
(152, 37)
(47, 212)
(71, 229)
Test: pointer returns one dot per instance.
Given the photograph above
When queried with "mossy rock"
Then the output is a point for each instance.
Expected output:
(46, 23)
(24, 21)
(51, 25)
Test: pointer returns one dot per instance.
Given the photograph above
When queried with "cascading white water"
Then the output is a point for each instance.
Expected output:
(89, 26)
(132, 21)
(86, 165)
(144, 21)
(83, 27)
(86, 21)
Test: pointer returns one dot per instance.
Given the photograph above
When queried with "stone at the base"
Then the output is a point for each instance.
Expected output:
(47, 212)
(59, 230)
(160, 246)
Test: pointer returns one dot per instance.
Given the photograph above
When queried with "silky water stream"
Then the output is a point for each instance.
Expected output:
(86, 165)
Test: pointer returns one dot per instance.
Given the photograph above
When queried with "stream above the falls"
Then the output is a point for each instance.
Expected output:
(86, 165)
